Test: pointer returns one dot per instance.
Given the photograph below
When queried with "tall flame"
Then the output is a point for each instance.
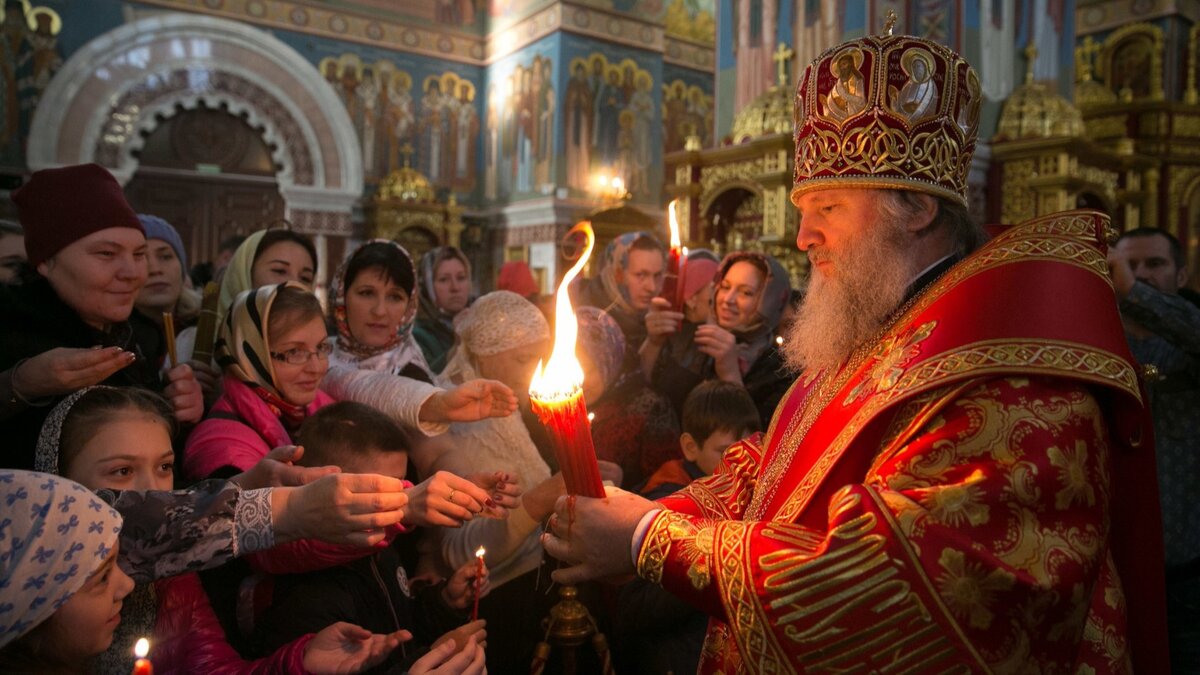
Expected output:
(562, 375)
(675, 242)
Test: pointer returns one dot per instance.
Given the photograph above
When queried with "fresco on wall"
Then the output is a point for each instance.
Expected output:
(609, 118)
(29, 57)
(692, 20)
(432, 124)
(687, 111)
(519, 130)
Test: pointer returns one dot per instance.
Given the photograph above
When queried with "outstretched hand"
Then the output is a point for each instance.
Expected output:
(61, 371)
(469, 402)
(594, 535)
(447, 500)
(346, 648)
(503, 488)
(278, 469)
(341, 508)
(447, 659)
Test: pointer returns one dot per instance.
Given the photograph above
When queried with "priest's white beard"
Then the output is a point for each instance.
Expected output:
(839, 313)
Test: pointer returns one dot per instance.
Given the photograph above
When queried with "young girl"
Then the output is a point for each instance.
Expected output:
(62, 588)
(120, 440)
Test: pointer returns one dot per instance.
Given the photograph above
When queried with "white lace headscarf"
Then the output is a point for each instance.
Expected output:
(497, 322)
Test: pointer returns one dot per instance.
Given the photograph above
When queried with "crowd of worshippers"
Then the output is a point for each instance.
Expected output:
(311, 497)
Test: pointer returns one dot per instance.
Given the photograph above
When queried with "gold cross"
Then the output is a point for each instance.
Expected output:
(406, 151)
(890, 22)
(781, 57)
(1030, 58)
(1085, 54)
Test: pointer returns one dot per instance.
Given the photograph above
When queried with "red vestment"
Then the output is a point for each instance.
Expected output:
(971, 492)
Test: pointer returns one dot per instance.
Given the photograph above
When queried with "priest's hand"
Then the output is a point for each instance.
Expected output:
(469, 402)
(600, 535)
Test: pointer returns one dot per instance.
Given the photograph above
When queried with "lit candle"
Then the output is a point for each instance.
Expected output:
(676, 264)
(142, 665)
(478, 580)
(556, 392)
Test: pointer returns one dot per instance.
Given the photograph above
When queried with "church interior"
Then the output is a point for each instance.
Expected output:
(494, 126)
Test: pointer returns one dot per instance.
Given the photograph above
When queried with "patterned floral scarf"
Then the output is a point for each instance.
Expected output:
(337, 292)
(243, 349)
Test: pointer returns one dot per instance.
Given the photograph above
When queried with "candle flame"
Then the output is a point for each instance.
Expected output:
(479, 552)
(674, 224)
(141, 648)
(562, 375)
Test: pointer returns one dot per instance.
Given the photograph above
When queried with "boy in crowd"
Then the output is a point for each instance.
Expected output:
(715, 415)
(375, 590)
(659, 633)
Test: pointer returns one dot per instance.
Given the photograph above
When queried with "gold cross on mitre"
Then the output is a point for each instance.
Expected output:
(781, 57)
(889, 22)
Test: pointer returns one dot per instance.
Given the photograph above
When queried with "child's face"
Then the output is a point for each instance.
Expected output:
(84, 625)
(132, 451)
(708, 456)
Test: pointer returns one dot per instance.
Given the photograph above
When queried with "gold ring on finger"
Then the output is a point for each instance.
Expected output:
(450, 497)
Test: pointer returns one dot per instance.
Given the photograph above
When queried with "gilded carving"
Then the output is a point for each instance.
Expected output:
(712, 176)
(1131, 62)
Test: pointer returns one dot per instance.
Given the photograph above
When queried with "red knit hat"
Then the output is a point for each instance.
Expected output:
(58, 207)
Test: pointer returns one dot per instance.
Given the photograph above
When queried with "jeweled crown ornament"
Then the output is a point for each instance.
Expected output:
(887, 111)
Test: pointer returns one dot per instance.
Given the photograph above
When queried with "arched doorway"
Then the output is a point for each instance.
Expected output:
(210, 174)
(111, 95)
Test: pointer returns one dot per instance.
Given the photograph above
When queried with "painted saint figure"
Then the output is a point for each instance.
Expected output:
(848, 96)
(918, 97)
(578, 127)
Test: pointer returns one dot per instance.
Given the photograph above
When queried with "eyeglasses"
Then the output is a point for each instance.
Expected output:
(299, 357)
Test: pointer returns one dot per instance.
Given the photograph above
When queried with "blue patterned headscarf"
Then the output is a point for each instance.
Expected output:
(54, 533)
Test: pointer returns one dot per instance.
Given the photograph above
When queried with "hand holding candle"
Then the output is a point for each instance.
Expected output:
(169, 333)
(673, 281)
(141, 650)
(556, 392)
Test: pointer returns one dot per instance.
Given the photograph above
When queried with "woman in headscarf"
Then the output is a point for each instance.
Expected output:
(265, 257)
(445, 291)
(374, 306)
(752, 290)
(273, 349)
(633, 425)
(630, 276)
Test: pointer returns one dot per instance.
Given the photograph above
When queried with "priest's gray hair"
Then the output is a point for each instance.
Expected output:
(901, 205)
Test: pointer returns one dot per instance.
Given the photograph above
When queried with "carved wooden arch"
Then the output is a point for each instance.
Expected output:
(1128, 33)
(708, 198)
(121, 84)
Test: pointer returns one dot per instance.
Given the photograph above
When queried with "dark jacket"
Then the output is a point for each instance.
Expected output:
(36, 320)
(367, 592)
(681, 367)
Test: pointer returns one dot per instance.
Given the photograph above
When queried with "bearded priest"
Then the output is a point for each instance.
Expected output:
(962, 480)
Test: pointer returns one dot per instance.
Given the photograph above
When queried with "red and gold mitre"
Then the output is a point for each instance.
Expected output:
(887, 112)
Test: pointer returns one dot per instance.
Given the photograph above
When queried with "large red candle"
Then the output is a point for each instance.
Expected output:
(673, 280)
(556, 392)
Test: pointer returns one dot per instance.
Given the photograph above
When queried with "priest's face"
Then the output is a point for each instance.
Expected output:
(861, 267)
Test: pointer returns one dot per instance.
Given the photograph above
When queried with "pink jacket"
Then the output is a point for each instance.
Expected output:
(239, 430)
(188, 638)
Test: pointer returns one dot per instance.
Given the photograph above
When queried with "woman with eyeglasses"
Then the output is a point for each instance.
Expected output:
(273, 352)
